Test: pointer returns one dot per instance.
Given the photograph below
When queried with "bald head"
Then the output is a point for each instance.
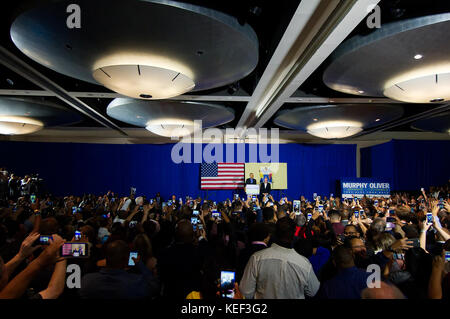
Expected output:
(343, 257)
(384, 292)
(184, 232)
(48, 226)
(117, 253)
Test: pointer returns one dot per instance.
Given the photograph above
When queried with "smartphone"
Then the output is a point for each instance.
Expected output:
(105, 239)
(236, 196)
(132, 224)
(361, 212)
(215, 214)
(133, 254)
(33, 199)
(400, 256)
(331, 195)
(356, 213)
(375, 202)
(309, 216)
(227, 279)
(195, 213)
(194, 220)
(429, 218)
(151, 201)
(74, 209)
(77, 235)
(74, 250)
(253, 198)
(315, 196)
(391, 212)
(200, 226)
(415, 242)
(447, 256)
(320, 208)
(390, 219)
(296, 207)
(45, 240)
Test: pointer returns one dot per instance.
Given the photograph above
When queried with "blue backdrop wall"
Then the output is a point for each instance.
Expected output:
(407, 164)
(71, 168)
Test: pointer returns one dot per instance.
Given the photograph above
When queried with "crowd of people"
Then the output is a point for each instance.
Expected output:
(148, 247)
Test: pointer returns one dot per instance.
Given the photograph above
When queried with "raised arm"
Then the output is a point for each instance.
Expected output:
(16, 287)
(57, 282)
(26, 249)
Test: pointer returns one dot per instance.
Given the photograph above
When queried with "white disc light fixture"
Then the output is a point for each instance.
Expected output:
(146, 49)
(170, 127)
(406, 60)
(169, 118)
(17, 125)
(143, 81)
(20, 116)
(334, 129)
(337, 121)
(434, 88)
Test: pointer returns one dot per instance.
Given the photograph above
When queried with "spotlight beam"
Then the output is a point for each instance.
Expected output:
(15, 64)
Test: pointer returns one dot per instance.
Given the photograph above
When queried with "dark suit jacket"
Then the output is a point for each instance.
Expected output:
(250, 182)
(263, 189)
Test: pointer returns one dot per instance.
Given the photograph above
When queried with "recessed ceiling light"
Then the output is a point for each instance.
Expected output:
(377, 120)
(418, 56)
(361, 91)
(315, 120)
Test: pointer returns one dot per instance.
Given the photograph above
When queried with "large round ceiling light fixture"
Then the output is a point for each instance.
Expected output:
(152, 49)
(334, 129)
(337, 121)
(432, 88)
(29, 115)
(169, 118)
(143, 81)
(405, 60)
(170, 127)
(16, 125)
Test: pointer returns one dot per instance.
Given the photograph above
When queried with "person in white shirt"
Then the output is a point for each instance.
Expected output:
(279, 272)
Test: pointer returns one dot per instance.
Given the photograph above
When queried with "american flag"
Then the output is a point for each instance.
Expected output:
(222, 175)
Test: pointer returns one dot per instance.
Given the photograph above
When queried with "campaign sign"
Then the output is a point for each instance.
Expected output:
(358, 187)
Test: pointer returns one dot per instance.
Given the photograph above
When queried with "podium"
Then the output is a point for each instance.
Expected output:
(252, 189)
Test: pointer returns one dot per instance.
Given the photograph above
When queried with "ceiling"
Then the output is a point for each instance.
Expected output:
(297, 45)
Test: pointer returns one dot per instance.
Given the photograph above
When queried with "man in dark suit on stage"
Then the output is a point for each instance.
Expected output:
(251, 180)
(264, 188)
